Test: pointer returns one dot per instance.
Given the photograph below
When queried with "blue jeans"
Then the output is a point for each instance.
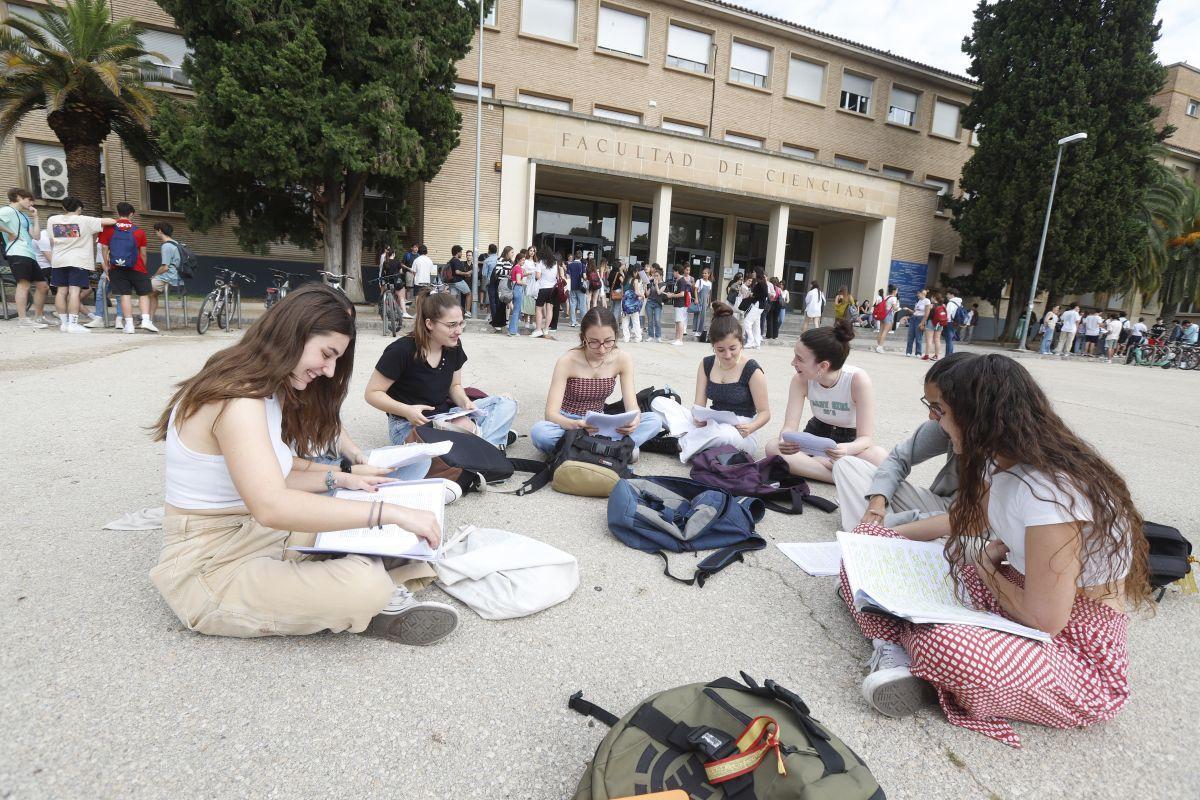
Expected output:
(514, 321)
(948, 336)
(1047, 339)
(546, 435)
(653, 320)
(916, 336)
(102, 293)
(493, 427)
(577, 302)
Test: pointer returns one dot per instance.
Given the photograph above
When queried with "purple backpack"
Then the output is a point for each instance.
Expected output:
(726, 467)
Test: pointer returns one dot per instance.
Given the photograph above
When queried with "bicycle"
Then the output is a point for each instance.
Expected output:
(1189, 357)
(1154, 353)
(389, 308)
(224, 299)
(282, 285)
(333, 280)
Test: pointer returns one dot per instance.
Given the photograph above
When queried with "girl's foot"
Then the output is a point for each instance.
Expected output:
(890, 687)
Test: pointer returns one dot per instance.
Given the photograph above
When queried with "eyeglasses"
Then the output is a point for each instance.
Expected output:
(453, 326)
(936, 410)
(597, 344)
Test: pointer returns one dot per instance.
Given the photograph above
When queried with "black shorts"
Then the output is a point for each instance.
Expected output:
(1092, 339)
(26, 269)
(123, 281)
(840, 435)
(545, 296)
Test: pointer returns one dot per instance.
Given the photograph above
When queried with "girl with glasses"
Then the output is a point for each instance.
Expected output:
(420, 375)
(583, 379)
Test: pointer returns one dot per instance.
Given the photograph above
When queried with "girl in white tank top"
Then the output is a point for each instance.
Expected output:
(842, 402)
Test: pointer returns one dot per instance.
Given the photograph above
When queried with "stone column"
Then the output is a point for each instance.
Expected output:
(777, 240)
(624, 227)
(878, 236)
(660, 225)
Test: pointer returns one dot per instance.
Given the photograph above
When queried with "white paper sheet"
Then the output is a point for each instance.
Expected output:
(809, 444)
(703, 414)
(912, 580)
(819, 559)
(606, 424)
(404, 454)
(453, 415)
(390, 541)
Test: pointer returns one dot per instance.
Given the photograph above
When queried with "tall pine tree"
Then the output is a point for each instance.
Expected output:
(1047, 69)
(301, 105)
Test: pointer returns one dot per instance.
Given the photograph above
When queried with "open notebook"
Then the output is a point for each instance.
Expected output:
(389, 541)
(912, 580)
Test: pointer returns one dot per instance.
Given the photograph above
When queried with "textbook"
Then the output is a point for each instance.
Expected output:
(912, 580)
(388, 541)
(809, 444)
(404, 454)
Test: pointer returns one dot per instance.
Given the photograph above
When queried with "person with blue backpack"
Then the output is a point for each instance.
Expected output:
(957, 316)
(125, 262)
(631, 308)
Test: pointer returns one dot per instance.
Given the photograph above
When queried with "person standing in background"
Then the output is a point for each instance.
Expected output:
(916, 325)
(577, 300)
(814, 305)
(18, 226)
(700, 300)
(1070, 325)
(1049, 324)
(72, 254)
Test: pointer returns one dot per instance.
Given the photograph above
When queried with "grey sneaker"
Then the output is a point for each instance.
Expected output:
(890, 687)
(407, 620)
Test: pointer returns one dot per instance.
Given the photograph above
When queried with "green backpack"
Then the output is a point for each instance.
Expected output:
(723, 740)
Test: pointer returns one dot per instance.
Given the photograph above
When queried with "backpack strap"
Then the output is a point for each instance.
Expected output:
(710, 744)
(542, 471)
(589, 709)
(716, 562)
(798, 500)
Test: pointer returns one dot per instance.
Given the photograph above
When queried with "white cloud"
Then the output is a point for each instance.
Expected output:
(931, 31)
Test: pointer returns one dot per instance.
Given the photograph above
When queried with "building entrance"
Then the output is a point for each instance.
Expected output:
(797, 260)
(590, 246)
(698, 260)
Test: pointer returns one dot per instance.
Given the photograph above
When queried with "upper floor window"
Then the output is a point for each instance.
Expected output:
(544, 102)
(167, 187)
(749, 141)
(472, 88)
(856, 93)
(621, 32)
(612, 113)
(803, 152)
(490, 18)
(845, 162)
(170, 50)
(688, 48)
(902, 107)
(551, 19)
(749, 64)
(682, 127)
(897, 173)
(806, 80)
(946, 119)
(1193, 108)
(944, 188)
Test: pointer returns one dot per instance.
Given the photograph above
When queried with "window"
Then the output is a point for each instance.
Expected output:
(621, 32)
(943, 187)
(682, 127)
(470, 88)
(1193, 108)
(639, 233)
(167, 188)
(749, 141)
(172, 49)
(902, 108)
(688, 49)
(945, 119)
(845, 162)
(975, 135)
(490, 18)
(31, 14)
(544, 102)
(622, 116)
(46, 166)
(856, 93)
(749, 65)
(551, 19)
(897, 173)
(803, 152)
(806, 80)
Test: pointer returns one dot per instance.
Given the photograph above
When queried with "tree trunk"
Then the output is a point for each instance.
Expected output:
(333, 227)
(81, 134)
(352, 244)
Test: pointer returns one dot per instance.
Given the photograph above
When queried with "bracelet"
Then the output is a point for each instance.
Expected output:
(329, 482)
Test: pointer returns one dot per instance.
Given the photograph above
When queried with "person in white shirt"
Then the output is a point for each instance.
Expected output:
(1091, 334)
(72, 253)
(546, 274)
(814, 304)
(423, 268)
(1070, 325)
(1113, 335)
(1137, 334)
(1049, 322)
(916, 325)
(950, 332)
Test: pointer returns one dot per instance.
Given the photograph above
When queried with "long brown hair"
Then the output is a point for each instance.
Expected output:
(261, 364)
(1003, 413)
(430, 307)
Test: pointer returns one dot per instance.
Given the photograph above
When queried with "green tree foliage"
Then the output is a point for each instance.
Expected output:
(302, 105)
(1047, 69)
(89, 72)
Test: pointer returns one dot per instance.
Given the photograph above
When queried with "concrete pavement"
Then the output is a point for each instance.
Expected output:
(105, 694)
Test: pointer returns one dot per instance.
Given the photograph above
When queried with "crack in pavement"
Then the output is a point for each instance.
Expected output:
(957, 760)
(837, 640)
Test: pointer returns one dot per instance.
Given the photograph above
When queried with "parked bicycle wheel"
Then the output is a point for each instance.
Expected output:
(1188, 359)
(224, 311)
(205, 317)
(393, 321)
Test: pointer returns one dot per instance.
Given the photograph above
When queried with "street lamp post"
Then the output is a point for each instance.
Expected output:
(478, 151)
(1037, 270)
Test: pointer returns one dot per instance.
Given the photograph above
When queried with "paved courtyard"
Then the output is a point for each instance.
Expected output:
(104, 694)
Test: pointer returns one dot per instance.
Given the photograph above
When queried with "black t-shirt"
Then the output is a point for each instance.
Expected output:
(414, 381)
(460, 268)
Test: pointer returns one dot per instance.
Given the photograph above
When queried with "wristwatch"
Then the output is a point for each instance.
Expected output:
(346, 464)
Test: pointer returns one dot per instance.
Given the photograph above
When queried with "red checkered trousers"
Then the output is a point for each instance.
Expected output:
(984, 678)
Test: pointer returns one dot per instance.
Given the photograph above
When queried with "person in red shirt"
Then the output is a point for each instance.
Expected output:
(124, 249)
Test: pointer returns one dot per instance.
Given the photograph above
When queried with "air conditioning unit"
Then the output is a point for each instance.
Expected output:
(52, 172)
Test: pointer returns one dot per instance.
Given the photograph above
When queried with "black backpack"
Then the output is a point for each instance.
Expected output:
(187, 261)
(582, 464)
(1170, 555)
(664, 443)
(473, 463)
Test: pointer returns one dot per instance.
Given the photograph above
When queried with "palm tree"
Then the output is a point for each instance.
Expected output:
(1160, 217)
(1181, 277)
(89, 72)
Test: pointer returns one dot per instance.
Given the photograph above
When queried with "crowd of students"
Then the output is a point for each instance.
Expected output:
(1105, 336)
(1037, 525)
(71, 249)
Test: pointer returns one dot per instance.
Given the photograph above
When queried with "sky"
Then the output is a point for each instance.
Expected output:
(931, 31)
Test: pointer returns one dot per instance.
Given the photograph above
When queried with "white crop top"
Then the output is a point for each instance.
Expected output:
(1022, 498)
(200, 480)
(834, 405)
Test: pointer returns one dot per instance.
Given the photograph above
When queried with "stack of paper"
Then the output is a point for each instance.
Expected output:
(404, 454)
(818, 559)
(606, 424)
(704, 414)
(809, 444)
(389, 541)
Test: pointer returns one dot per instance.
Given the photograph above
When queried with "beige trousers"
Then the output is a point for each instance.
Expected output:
(229, 576)
(852, 477)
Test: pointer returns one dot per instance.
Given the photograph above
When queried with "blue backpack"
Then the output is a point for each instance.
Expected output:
(960, 316)
(630, 304)
(123, 248)
(678, 515)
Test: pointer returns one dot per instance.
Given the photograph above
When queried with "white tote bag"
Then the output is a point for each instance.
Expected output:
(502, 575)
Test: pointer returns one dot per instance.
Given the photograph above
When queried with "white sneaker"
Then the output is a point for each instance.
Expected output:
(119, 322)
(129, 326)
(637, 455)
(468, 315)
(148, 325)
(407, 620)
(878, 348)
(453, 491)
(677, 343)
(536, 334)
(97, 322)
(32, 324)
(890, 687)
(75, 327)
